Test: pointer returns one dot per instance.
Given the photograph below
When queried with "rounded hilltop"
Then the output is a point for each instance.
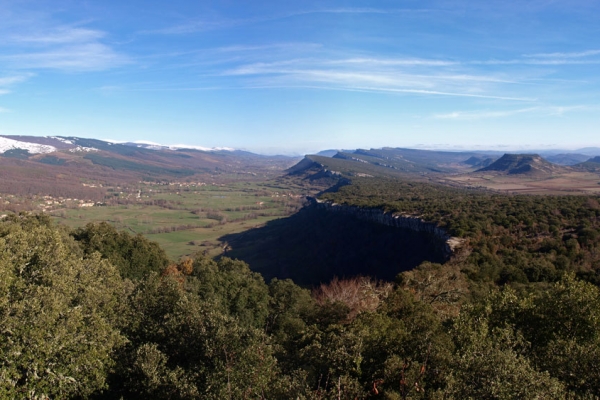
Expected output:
(513, 164)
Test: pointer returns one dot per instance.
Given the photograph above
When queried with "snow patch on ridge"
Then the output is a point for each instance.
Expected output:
(157, 146)
(33, 148)
(82, 149)
(67, 141)
(201, 148)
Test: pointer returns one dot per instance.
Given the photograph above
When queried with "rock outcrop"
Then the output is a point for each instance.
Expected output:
(414, 223)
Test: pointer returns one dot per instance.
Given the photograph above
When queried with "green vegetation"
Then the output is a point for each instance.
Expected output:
(52, 160)
(17, 153)
(134, 256)
(187, 218)
(96, 310)
(515, 238)
(73, 327)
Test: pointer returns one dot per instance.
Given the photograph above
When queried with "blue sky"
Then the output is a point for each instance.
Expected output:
(297, 77)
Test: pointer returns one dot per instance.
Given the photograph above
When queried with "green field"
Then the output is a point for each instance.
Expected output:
(187, 219)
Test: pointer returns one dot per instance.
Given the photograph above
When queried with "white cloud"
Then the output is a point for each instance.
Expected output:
(194, 26)
(280, 46)
(60, 35)
(417, 76)
(395, 62)
(472, 115)
(7, 81)
(541, 110)
(11, 80)
(456, 94)
(59, 47)
(574, 58)
(4, 110)
(81, 57)
(579, 54)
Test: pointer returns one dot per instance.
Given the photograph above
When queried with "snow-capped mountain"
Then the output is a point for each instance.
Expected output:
(49, 144)
(7, 144)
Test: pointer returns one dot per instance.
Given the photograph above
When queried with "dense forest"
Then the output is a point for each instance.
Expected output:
(98, 313)
(510, 238)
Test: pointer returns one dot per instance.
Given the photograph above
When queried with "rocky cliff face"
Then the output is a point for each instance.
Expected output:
(450, 244)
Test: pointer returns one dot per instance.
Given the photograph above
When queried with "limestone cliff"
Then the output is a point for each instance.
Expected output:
(414, 223)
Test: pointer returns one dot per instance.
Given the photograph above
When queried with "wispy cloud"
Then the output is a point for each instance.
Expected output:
(394, 62)
(8, 81)
(191, 26)
(557, 58)
(4, 110)
(540, 110)
(409, 75)
(453, 94)
(63, 47)
(586, 53)
(561, 110)
(84, 57)
(294, 46)
(60, 35)
(483, 114)
(12, 80)
(533, 61)
(316, 65)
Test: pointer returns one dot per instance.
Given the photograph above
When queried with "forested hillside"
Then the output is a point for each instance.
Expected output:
(97, 313)
(93, 312)
(511, 238)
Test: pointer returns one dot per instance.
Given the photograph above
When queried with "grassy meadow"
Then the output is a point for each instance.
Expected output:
(186, 219)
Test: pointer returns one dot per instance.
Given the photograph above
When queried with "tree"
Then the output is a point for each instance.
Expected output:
(490, 362)
(232, 287)
(59, 314)
(185, 347)
(134, 256)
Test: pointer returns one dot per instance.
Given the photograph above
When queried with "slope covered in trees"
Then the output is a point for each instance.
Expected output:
(512, 238)
(74, 327)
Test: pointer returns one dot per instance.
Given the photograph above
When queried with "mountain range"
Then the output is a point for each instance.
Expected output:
(59, 166)
(42, 164)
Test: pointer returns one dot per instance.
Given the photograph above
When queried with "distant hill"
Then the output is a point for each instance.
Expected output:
(567, 158)
(594, 160)
(57, 165)
(513, 164)
(592, 165)
(332, 170)
(389, 162)
(479, 161)
(592, 151)
(417, 161)
(485, 162)
(474, 160)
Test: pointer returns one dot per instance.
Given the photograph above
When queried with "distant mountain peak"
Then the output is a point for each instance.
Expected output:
(513, 164)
